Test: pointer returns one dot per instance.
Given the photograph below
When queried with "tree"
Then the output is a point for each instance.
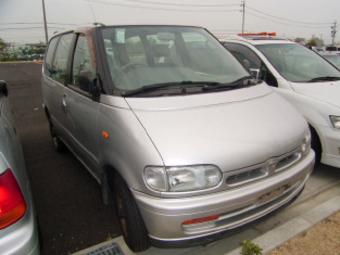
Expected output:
(315, 42)
(3, 45)
(312, 43)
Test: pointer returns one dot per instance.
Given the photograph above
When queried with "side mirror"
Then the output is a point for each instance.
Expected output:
(255, 72)
(88, 84)
(3, 88)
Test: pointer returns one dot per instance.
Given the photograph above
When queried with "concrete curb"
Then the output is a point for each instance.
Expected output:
(279, 235)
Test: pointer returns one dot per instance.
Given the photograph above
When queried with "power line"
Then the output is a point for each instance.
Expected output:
(37, 23)
(25, 28)
(287, 20)
(224, 30)
(159, 8)
(285, 23)
(181, 4)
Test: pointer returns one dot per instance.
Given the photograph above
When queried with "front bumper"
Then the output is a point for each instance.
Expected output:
(330, 140)
(163, 217)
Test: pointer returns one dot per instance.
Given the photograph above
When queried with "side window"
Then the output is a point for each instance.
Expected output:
(82, 65)
(49, 56)
(244, 55)
(59, 66)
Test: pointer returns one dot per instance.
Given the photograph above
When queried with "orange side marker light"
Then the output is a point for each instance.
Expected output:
(105, 135)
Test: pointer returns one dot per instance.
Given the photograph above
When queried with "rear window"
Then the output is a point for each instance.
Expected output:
(59, 66)
(49, 55)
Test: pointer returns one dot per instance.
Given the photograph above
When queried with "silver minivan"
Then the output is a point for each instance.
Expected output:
(181, 138)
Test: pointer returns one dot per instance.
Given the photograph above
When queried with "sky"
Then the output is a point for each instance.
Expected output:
(289, 18)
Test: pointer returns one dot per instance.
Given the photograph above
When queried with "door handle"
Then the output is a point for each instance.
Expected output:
(64, 104)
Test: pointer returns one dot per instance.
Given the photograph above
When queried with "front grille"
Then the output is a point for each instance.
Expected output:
(288, 161)
(269, 168)
(246, 176)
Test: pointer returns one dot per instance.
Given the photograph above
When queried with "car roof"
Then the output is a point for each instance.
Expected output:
(87, 29)
(258, 40)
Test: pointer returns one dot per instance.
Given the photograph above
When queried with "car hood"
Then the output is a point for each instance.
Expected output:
(328, 92)
(231, 129)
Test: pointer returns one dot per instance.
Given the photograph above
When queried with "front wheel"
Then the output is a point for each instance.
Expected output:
(58, 145)
(130, 220)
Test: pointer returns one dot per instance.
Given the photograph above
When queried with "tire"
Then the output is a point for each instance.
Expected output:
(131, 223)
(58, 145)
(316, 145)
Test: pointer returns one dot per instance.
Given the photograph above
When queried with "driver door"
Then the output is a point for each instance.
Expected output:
(81, 109)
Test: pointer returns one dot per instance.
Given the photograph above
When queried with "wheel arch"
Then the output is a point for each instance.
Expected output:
(109, 173)
(316, 142)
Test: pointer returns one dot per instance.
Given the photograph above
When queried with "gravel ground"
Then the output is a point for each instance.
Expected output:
(322, 239)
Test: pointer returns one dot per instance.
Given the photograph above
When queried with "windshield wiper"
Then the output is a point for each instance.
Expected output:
(168, 85)
(325, 78)
(239, 83)
(205, 85)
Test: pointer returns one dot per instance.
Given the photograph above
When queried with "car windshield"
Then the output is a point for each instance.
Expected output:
(297, 63)
(334, 59)
(140, 56)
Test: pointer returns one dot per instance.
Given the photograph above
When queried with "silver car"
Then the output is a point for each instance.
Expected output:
(18, 230)
(183, 141)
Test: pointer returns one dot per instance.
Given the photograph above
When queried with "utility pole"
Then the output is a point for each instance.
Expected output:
(243, 5)
(45, 21)
(333, 32)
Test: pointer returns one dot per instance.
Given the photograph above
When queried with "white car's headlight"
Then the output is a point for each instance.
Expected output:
(182, 178)
(335, 120)
(306, 143)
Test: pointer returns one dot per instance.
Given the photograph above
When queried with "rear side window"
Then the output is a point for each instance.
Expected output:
(49, 56)
(59, 66)
(82, 64)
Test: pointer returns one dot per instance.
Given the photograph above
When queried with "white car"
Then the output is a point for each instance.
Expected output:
(305, 79)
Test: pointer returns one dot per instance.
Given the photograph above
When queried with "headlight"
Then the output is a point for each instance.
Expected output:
(155, 177)
(182, 178)
(306, 144)
(335, 120)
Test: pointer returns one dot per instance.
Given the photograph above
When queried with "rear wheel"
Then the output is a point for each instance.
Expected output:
(130, 220)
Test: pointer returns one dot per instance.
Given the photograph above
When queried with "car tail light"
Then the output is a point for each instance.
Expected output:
(12, 203)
